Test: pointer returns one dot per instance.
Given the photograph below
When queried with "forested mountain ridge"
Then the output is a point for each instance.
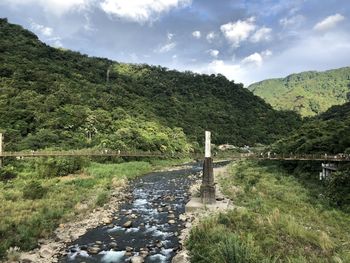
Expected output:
(308, 93)
(58, 98)
(327, 133)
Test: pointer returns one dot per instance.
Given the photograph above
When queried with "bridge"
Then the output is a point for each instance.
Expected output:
(111, 153)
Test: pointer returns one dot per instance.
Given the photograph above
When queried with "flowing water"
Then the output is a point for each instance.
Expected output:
(158, 200)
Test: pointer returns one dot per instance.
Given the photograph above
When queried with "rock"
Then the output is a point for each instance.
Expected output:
(93, 250)
(107, 220)
(133, 216)
(83, 247)
(188, 225)
(98, 242)
(144, 253)
(183, 217)
(128, 254)
(171, 221)
(181, 257)
(128, 249)
(113, 244)
(171, 216)
(27, 258)
(137, 259)
(127, 224)
(159, 244)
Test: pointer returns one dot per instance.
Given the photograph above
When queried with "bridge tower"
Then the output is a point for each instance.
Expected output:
(327, 170)
(207, 189)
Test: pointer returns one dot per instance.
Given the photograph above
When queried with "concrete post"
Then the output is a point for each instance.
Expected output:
(207, 188)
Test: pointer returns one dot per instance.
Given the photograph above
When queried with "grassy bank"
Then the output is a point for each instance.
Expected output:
(280, 220)
(32, 206)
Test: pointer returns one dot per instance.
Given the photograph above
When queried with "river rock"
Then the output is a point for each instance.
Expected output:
(94, 250)
(181, 257)
(183, 217)
(171, 221)
(113, 244)
(128, 249)
(137, 259)
(127, 224)
(171, 216)
(159, 244)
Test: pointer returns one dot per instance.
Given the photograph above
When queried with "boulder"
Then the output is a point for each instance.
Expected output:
(127, 224)
(137, 259)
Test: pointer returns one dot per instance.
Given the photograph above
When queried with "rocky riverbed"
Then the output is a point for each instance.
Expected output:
(146, 227)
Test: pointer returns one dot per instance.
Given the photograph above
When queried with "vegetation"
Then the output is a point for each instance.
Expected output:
(277, 219)
(63, 99)
(308, 93)
(326, 133)
(32, 206)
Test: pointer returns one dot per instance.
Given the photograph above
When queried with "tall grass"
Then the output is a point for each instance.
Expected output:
(33, 205)
(280, 221)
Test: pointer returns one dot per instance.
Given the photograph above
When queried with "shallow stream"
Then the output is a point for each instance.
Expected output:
(148, 224)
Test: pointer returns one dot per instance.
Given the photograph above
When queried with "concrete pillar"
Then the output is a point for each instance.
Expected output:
(207, 188)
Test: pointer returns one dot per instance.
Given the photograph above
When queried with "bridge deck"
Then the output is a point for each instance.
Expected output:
(108, 153)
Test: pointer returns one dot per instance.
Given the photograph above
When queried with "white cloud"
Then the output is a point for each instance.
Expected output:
(47, 33)
(266, 53)
(55, 41)
(329, 22)
(170, 36)
(166, 48)
(211, 36)
(196, 34)
(141, 11)
(236, 32)
(294, 21)
(254, 58)
(43, 30)
(214, 53)
(262, 34)
(56, 7)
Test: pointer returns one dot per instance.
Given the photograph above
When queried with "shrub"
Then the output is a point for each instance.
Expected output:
(34, 190)
(59, 166)
(338, 188)
(7, 173)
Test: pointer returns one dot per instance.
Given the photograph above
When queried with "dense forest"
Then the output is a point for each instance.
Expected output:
(327, 133)
(55, 98)
(308, 93)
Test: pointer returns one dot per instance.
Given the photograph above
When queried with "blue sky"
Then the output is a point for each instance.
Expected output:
(245, 40)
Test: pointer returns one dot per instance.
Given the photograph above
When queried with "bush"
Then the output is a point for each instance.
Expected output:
(338, 188)
(59, 166)
(34, 190)
(7, 173)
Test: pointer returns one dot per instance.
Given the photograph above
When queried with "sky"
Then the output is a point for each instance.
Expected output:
(245, 40)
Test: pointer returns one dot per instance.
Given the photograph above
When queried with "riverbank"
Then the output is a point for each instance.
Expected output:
(278, 219)
(194, 215)
(28, 223)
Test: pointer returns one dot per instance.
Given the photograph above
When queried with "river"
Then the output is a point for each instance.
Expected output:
(147, 225)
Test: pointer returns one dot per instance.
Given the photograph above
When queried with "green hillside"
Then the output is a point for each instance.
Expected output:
(58, 98)
(326, 133)
(308, 93)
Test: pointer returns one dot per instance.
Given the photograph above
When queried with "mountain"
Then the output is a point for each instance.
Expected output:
(327, 133)
(308, 93)
(58, 98)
